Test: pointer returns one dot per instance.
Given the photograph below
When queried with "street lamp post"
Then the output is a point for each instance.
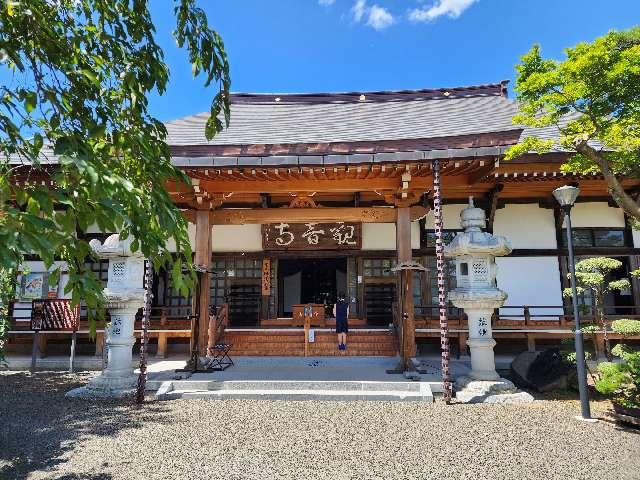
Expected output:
(566, 197)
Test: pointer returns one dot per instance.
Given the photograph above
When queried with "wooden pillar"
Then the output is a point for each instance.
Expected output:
(531, 342)
(161, 351)
(462, 343)
(99, 344)
(42, 345)
(202, 260)
(403, 246)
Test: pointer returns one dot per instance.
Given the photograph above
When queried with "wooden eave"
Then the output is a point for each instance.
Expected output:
(479, 140)
(521, 178)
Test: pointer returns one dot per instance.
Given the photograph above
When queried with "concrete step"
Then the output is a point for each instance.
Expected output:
(295, 390)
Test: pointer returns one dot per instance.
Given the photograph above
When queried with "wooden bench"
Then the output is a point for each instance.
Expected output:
(163, 327)
(56, 315)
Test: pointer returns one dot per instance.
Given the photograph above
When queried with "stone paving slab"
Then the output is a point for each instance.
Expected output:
(323, 369)
(295, 390)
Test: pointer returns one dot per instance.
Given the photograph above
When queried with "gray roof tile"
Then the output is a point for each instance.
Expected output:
(325, 120)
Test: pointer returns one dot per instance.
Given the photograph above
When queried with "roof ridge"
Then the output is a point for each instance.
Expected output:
(379, 96)
(492, 89)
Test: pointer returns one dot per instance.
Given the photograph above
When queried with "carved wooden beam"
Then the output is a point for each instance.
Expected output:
(482, 172)
(190, 215)
(242, 216)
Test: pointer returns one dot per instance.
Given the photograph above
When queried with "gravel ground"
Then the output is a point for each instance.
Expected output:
(44, 436)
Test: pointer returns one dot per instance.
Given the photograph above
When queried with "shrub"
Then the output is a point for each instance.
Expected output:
(621, 380)
(589, 328)
(626, 326)
(570, 357)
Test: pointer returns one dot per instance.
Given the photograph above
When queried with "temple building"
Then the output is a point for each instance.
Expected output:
(305, 196)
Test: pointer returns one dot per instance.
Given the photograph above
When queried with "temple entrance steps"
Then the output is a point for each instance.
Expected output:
(291, 342)
(295, 390)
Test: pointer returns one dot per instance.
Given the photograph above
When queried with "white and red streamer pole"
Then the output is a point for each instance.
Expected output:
(146, 314)
(442, 292)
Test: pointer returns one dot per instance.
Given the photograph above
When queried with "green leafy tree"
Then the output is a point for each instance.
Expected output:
(593, 98)
(78, 75)
(593, 276)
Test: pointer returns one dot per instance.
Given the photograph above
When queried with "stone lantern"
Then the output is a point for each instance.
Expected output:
(125, 296)
(474, 253)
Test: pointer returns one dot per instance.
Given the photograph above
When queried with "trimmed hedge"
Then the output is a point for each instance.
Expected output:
(626, 326)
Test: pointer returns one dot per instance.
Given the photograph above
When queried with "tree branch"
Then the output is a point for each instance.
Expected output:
(622, 198)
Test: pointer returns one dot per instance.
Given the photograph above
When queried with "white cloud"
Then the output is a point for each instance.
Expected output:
(380, 18)
(359, 9)
(326, 3)
(375, 16)
(450, 8)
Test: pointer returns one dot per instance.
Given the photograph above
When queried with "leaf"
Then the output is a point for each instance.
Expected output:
(30, 101)
(91, 106)
(37, 142)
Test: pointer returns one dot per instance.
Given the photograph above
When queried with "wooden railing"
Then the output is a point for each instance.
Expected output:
(531, 315)
(165, 323)
(513, 321)
(530, 323)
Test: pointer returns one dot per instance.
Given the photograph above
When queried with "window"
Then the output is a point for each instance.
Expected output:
(428, 237)
(450, 283)
(101, 269)
(615, 303)
(236, 271)
(596, 237)
(609, 238)
(379, 267)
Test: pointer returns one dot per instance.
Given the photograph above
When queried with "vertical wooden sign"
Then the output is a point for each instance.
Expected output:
(266, 277)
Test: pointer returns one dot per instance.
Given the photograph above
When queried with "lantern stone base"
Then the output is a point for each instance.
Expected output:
(483, 365)
(470, 390)
(105, 387)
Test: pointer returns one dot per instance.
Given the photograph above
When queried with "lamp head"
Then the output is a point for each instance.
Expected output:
(566, 196)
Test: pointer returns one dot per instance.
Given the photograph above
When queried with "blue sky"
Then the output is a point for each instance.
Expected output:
(351, 45)
(347, 45)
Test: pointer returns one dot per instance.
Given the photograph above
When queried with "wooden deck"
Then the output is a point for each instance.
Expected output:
(277, 337)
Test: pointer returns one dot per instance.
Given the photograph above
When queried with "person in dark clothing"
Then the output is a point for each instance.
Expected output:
(341, 313)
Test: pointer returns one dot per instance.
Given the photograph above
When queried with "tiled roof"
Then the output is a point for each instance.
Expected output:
(279, 119)
(358, 127)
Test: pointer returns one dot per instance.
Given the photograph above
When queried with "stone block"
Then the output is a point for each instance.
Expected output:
(542, 371)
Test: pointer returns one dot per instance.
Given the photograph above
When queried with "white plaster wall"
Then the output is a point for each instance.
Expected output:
(530, 281)
(415, 235)
(379, 236)
(450, 216)
(37, 267)
(382, 236)
(171, 244)
(526, 225)
(596, 214)
(236, 238)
